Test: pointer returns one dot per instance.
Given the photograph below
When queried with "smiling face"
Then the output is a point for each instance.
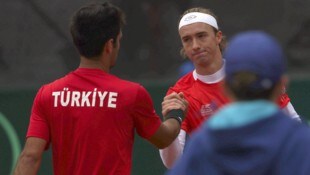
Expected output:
(200, 43)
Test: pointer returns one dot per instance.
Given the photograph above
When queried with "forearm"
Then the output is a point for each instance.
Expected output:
(166, 133)
(27, 165)
(172, 127)
(171, 153)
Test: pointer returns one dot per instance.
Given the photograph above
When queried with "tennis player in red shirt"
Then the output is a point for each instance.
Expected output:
(89, 117)
(203, 43)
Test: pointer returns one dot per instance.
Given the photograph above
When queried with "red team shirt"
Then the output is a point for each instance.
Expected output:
(204, 100)
(90, 118)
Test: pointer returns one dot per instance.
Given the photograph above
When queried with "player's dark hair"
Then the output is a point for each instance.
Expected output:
(241, 85)
(209, 12)
(93, 25)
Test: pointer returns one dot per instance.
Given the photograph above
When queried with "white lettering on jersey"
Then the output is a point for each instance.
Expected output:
(101, 97)
(62, 97)
(75, 98)
(112, 100)
(85, 98)
(55, 94)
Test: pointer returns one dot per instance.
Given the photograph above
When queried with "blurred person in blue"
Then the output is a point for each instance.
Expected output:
(251, 135)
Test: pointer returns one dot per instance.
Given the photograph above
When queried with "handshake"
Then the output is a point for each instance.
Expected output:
(174, 106)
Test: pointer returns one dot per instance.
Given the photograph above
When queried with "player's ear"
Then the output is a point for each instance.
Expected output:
(219, 36)
(182, 53)
(109, 45)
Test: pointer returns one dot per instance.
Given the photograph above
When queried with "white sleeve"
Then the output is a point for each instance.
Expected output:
(289, 109)
(172, 153)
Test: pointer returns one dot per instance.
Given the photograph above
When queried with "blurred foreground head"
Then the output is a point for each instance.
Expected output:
(255, 65)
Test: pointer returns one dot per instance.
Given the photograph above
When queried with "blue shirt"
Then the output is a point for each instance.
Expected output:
(247, 138)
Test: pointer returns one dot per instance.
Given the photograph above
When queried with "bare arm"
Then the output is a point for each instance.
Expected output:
(166, 133)
(170, 128)
(31, 156)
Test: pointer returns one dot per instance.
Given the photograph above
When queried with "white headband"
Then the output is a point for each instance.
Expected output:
(194, 17)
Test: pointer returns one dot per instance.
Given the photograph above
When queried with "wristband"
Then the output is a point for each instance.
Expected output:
(175, 114)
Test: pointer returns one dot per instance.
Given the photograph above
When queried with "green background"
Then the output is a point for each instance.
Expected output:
(16, 105)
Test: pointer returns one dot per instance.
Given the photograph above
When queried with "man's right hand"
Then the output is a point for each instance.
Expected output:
(171, 105)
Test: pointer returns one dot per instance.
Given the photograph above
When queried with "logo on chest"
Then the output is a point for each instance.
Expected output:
(208, 109)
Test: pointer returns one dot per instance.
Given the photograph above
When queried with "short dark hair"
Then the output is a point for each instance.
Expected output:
(93, 25)
(241, 85)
